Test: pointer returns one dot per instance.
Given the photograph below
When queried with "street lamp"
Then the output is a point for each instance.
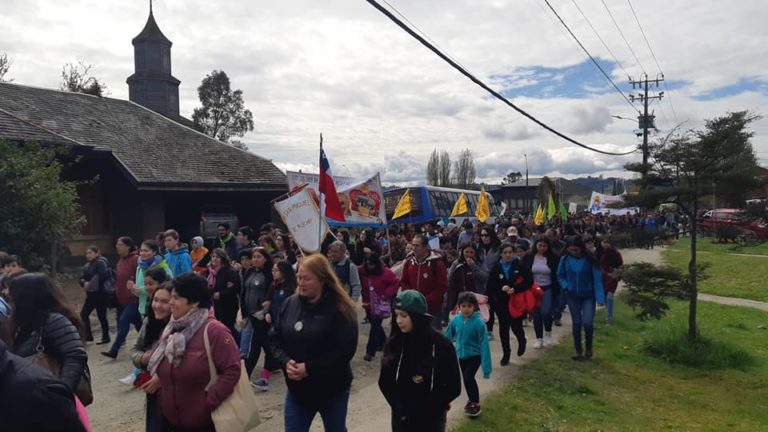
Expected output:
(527, 204)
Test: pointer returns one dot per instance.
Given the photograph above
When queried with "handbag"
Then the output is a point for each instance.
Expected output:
(238, 412)
(380, 307)
(84, 392)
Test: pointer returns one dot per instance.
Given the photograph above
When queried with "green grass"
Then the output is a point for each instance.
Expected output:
(626, 388)
(729, 275)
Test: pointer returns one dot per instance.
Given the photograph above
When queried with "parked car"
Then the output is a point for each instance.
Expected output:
(711, 220)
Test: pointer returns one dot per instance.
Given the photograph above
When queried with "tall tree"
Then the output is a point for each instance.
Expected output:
(464, 170)
(512, 177)
(223, 114)
(5, 65)
(683, 168)
(433, 169)
(444, 169)
(75, 78)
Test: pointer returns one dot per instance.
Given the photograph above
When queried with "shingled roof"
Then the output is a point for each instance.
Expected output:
(156, 152)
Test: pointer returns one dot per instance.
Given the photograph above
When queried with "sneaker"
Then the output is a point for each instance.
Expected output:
(505, 359)
(577, 357)
(466, 407)
(557, 322)
(109, 354)
(490, 335)
(473, 410)
(103, 341)
(368, 358)
(521, 348)
(548, 339)
(588, 354)
(129, 380)
(260, 384)
(539, 344)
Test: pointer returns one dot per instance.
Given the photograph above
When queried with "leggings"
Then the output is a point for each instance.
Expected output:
(469, 367)
(505, 323)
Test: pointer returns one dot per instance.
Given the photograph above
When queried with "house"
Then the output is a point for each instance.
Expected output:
(521, 195)
(143, 168)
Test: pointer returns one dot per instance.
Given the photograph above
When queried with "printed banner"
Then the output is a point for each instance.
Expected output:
(599, 202)
(362, 201)
(302, 217)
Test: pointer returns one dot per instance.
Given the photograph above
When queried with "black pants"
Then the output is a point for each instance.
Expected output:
(376, 337)
(259, 344)
(489, 324)
(95, 300)
(505, 323)
(469, 367)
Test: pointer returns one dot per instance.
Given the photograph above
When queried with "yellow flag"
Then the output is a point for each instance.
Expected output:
(404, 206)
(483, 210)
(461, 206)
(539, 218)
(551, 210)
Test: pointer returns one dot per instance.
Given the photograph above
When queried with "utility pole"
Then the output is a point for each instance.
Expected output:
(645, 121)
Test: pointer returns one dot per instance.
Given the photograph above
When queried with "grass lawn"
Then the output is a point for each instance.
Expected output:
(752, 280)
(626, 389)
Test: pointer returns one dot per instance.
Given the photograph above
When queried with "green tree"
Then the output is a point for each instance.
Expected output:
(5, 65)
(512, 177)
(75, 78)
(38, 209)
(223, 114)
(683, 168)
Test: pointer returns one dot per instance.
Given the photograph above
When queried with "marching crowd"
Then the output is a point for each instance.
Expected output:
(205, 314)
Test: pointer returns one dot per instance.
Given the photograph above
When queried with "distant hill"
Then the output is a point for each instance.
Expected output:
(604, 185)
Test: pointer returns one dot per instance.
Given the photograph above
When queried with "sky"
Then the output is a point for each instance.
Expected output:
(383, 102)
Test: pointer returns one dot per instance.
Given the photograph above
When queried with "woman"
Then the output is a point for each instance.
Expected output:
(610, 261)
(314, 339)
(180, 360)
(149, 257)
(463, 275)
(283, 245)
(224, 284)
(487, 257)
(542, 262)
(508, 276)
(127, 303)
(43, 319)
(420, 373)
(379, 288)
(366, 243)
(95, 273)
(580, 278)
(157, 318)
(254, 305)
(268, 243)
(198, 254)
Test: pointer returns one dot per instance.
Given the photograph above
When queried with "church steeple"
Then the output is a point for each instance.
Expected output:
(152, 84)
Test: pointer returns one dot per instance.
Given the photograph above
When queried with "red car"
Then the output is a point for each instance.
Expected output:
(711, 219)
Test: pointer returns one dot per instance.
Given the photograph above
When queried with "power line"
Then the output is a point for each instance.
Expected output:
(622, 36)
(648, 44)
(590, 55)
(599, 37)
(484, 86)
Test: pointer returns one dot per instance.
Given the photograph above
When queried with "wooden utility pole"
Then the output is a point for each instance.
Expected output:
(645, 121)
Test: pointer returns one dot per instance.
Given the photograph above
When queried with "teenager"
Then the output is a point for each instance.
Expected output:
(543, 265)
(176, 255)
(95, 273)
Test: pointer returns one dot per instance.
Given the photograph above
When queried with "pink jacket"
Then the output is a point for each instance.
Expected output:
(385, 284)
(182, 397)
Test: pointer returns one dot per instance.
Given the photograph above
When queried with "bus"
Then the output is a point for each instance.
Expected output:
(431, 203)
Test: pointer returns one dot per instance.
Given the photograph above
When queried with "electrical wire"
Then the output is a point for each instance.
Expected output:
(484, 86)
(600, 37)
(590, 56)
(623, 37)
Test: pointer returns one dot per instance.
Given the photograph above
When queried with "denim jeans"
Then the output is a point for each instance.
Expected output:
(126, 315)
(559, 306)
(246, 334)
(95, 300)
(376, 337)
(582, 315)
(609, 306)
(542, 317)
(298, 417)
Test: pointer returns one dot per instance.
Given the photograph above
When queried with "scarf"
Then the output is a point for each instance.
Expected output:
(223, 242)
(505, 267)
(176, 335)
(145, 264)
(212, 273)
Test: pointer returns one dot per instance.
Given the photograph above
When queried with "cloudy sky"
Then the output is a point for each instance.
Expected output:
(383, 102)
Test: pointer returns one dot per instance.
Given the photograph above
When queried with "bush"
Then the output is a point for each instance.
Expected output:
(671, 344)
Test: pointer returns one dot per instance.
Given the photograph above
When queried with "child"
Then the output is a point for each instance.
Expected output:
(468, 333)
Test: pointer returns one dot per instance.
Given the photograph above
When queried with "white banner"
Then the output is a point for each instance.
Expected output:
(296, 179)
(302, 217)
(598, 202)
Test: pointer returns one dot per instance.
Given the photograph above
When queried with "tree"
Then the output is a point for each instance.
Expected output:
(223, 114)
(433, 170)
(239, 144)
(546, 187)
(512, 177)
(682, 170)
(444, 169)
(39, 208)
(74, 78)
(5, 65)
(464, 170)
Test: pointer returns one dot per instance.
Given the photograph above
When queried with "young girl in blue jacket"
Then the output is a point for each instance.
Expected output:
(579, 276)
(468, 333)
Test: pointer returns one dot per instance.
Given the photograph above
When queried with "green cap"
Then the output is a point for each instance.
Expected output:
(411, 301)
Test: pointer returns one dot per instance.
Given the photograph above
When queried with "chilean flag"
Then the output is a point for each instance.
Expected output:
(327, 188)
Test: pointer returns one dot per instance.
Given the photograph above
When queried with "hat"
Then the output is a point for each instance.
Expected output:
(440, 223)
(451, 226)
(411, 301)
(511, 231)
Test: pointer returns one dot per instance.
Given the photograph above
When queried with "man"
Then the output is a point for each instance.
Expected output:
(466, 236)
(245, 239)
(424, 271)
(345, 270)
(12, 264)
(226, 240)
(31, 399)
(176, 256)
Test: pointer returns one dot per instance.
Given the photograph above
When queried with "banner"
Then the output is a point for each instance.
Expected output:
(361, 201)
(302, 217)
(599, 202)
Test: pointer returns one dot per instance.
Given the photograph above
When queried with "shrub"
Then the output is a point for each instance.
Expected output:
(671, 344)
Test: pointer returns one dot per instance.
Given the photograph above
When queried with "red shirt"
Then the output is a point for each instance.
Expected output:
(429, 278)
(125, 271)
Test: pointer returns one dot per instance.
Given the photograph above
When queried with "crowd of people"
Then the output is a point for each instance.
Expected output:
(206, 310)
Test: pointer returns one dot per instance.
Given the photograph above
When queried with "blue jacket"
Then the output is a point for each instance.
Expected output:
(471, 339)
(580, 278)
(179, 261)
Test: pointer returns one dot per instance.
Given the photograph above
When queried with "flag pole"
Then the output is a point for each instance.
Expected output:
(320, 194)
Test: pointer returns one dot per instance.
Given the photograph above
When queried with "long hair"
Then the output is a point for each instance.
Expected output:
(155, 326)
(222, 254)
(579, 243)
(289, 275)
(34, 297)
(495, 242)
(320, 267)
(373, 258)
(419, 338)
(128, 242)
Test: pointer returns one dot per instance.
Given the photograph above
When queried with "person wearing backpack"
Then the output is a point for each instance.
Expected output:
(95, 274)
(345, 269)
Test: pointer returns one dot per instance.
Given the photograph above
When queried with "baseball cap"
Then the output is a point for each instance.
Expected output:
(411, 301)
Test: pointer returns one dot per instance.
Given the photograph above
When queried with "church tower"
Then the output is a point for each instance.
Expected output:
(152, 84)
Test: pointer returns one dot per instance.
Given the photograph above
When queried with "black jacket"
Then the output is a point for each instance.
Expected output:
(95, 272)
(31, 399)
(520, 278)
(228, 287)
(61, 340)
(406, 379)
(325, 340)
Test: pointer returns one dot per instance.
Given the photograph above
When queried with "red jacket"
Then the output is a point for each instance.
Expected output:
(125, 270)
(525, 302)
(428, 277)
(182, 397)
(385, 284)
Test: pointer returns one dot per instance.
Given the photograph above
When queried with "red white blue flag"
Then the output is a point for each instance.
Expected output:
(328, 189)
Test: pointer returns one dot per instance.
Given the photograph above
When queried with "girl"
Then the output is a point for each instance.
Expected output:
(463, 275)
(610, 261)
(149, 257)
(419, 372)
(580, 278)
(254, 305)
(543, 264)
(224, 283)
(379, 288)
(95, 273)
(468, 333)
